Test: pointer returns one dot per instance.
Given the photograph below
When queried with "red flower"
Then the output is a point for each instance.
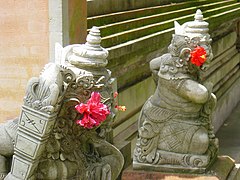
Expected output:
(198, 56)
(94, 112)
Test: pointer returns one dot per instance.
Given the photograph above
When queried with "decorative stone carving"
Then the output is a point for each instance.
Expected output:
(48, 143)
(174, 126)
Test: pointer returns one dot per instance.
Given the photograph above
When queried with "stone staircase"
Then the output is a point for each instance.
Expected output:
(118, 28)
(135, 37)
(129, 33)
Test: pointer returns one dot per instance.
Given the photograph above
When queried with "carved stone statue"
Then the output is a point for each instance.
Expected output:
(47, 140)
(175, 128)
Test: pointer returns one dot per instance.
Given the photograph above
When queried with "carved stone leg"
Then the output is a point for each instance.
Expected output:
(6, 146)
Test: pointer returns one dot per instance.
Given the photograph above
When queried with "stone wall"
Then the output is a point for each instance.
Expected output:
(77, 14)
(135, 37)
(24, 50)
(97, 7)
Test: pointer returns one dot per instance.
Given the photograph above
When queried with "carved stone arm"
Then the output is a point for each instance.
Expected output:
(209, 105)
(194, 91)
(155, 66)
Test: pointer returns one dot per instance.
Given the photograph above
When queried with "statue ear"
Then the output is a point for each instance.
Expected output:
(185, 54)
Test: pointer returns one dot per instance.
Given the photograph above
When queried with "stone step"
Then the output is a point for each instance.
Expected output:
(114, 28)
(214, 19)
(219, 61)
(228, 136)
(133, 98)
(101, 7)
(124, 58)
(225, 68)
(220, 170)
(136, 33)
(226, 82)
(125, 125)
(105, 19)
(234, 175)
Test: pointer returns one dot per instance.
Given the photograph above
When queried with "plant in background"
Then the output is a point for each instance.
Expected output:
(120, 108)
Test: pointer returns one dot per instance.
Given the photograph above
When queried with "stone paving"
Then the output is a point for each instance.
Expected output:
(229, 136)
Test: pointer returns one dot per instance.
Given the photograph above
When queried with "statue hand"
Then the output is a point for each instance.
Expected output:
(209, 86)
(100, 172)
(210, 104)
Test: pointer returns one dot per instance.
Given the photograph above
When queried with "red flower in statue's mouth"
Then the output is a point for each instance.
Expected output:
(198, 56)
(94, 112)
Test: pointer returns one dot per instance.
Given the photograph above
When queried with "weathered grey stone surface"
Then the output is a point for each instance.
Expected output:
(48, 144)
(175, 126)
(7, 137)
(135, 37)
(228, 136)
(220, 170)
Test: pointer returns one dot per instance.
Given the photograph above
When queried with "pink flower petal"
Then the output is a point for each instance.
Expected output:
(94, 111)
(81, 108)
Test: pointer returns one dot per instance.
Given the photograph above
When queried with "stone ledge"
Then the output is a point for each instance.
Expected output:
(220, 170)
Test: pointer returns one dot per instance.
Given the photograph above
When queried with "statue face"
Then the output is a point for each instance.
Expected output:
(194, 42)
(181, 48)
(177, 44)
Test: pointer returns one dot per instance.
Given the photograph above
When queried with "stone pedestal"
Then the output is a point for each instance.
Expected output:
(219, 170)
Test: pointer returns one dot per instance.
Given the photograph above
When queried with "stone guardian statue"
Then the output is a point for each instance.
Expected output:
(175, 131)
(55, 137)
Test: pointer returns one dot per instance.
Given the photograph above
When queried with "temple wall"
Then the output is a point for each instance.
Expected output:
(24, 50)
(97, 7)
(77, 14)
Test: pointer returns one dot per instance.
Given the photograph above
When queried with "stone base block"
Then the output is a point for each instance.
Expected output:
(220, 170)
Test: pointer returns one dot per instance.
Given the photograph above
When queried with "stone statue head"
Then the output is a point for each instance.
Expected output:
(188, 38)
(196, 34)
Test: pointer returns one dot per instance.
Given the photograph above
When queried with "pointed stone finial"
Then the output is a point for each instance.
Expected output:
(198, 27)
(90, 54)
(198, 16)
(94, 38)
